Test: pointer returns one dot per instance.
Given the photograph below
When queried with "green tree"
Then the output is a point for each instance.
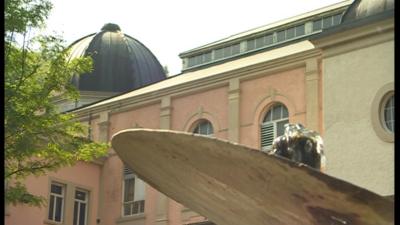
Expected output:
(38, 138)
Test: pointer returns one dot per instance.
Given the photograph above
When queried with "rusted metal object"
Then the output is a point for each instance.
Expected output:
(234, 185)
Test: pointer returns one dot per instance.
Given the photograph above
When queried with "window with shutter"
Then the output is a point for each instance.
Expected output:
(273, 125)
(134, 190)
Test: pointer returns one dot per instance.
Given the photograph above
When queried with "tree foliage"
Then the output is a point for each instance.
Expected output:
(38, 138)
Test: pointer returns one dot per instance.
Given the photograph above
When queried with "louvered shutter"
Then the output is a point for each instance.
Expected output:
(267, 136)
(128, 173)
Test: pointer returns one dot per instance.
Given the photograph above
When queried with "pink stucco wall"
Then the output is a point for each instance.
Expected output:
(257, 95)
(211, 104)
(146, 116)
(83, 175)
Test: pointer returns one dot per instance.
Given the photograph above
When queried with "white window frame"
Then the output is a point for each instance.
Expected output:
(79, 201)
(127, 175)
(55, 196)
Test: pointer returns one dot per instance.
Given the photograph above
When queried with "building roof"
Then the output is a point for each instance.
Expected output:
(264, 28)
(199, 75)
(358, 15)
(121, 63)
(364, 8)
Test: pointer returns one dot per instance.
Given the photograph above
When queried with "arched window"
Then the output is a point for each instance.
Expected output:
(204, 127)
(273, 125)
(388, 113)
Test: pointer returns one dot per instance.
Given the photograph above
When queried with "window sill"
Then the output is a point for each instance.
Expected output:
(52, 222)
(140, 216)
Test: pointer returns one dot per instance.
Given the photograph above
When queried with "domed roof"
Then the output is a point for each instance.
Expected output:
(364, 8)
(120, 62)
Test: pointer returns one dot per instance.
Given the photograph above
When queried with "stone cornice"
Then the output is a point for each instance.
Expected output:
(384, 29)
(216, 80)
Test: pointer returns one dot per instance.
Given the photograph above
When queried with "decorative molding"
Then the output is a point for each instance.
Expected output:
(200, 112)
(267, 101)
(191, 120)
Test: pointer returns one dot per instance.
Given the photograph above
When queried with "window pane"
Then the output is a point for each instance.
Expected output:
(280, 127)
(199, 59)
(129, 189)
(327, 22)
(51, 207)
(191, 61)
(235, 49)
(227, 51)
(75, 213)
(82, 214)
(269, 40)
(317, 25)
(209, 129)
(389, 114)
(276, 112)
(251, 44)
(127, 209)
(260, 42)
(300, 30)
(141, 209)
(196, 130)
(207, 57)
(57, 216)
(57, 189)
(219, 53)
(204, 128)
(390, 102)
(268, 117)
(281, 35)
(80, 195)
(285, 112)
(336, 19)
(290, 33)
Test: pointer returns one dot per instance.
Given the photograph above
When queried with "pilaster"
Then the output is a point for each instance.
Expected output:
(312, 94)
(234, 110)
(162, 200)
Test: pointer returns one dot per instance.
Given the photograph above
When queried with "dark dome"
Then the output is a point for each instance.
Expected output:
(364, 8)
(120, 62)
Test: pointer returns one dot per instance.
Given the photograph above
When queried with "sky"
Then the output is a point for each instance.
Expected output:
(170, 27)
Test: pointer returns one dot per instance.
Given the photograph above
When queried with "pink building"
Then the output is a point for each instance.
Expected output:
(243, 89)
